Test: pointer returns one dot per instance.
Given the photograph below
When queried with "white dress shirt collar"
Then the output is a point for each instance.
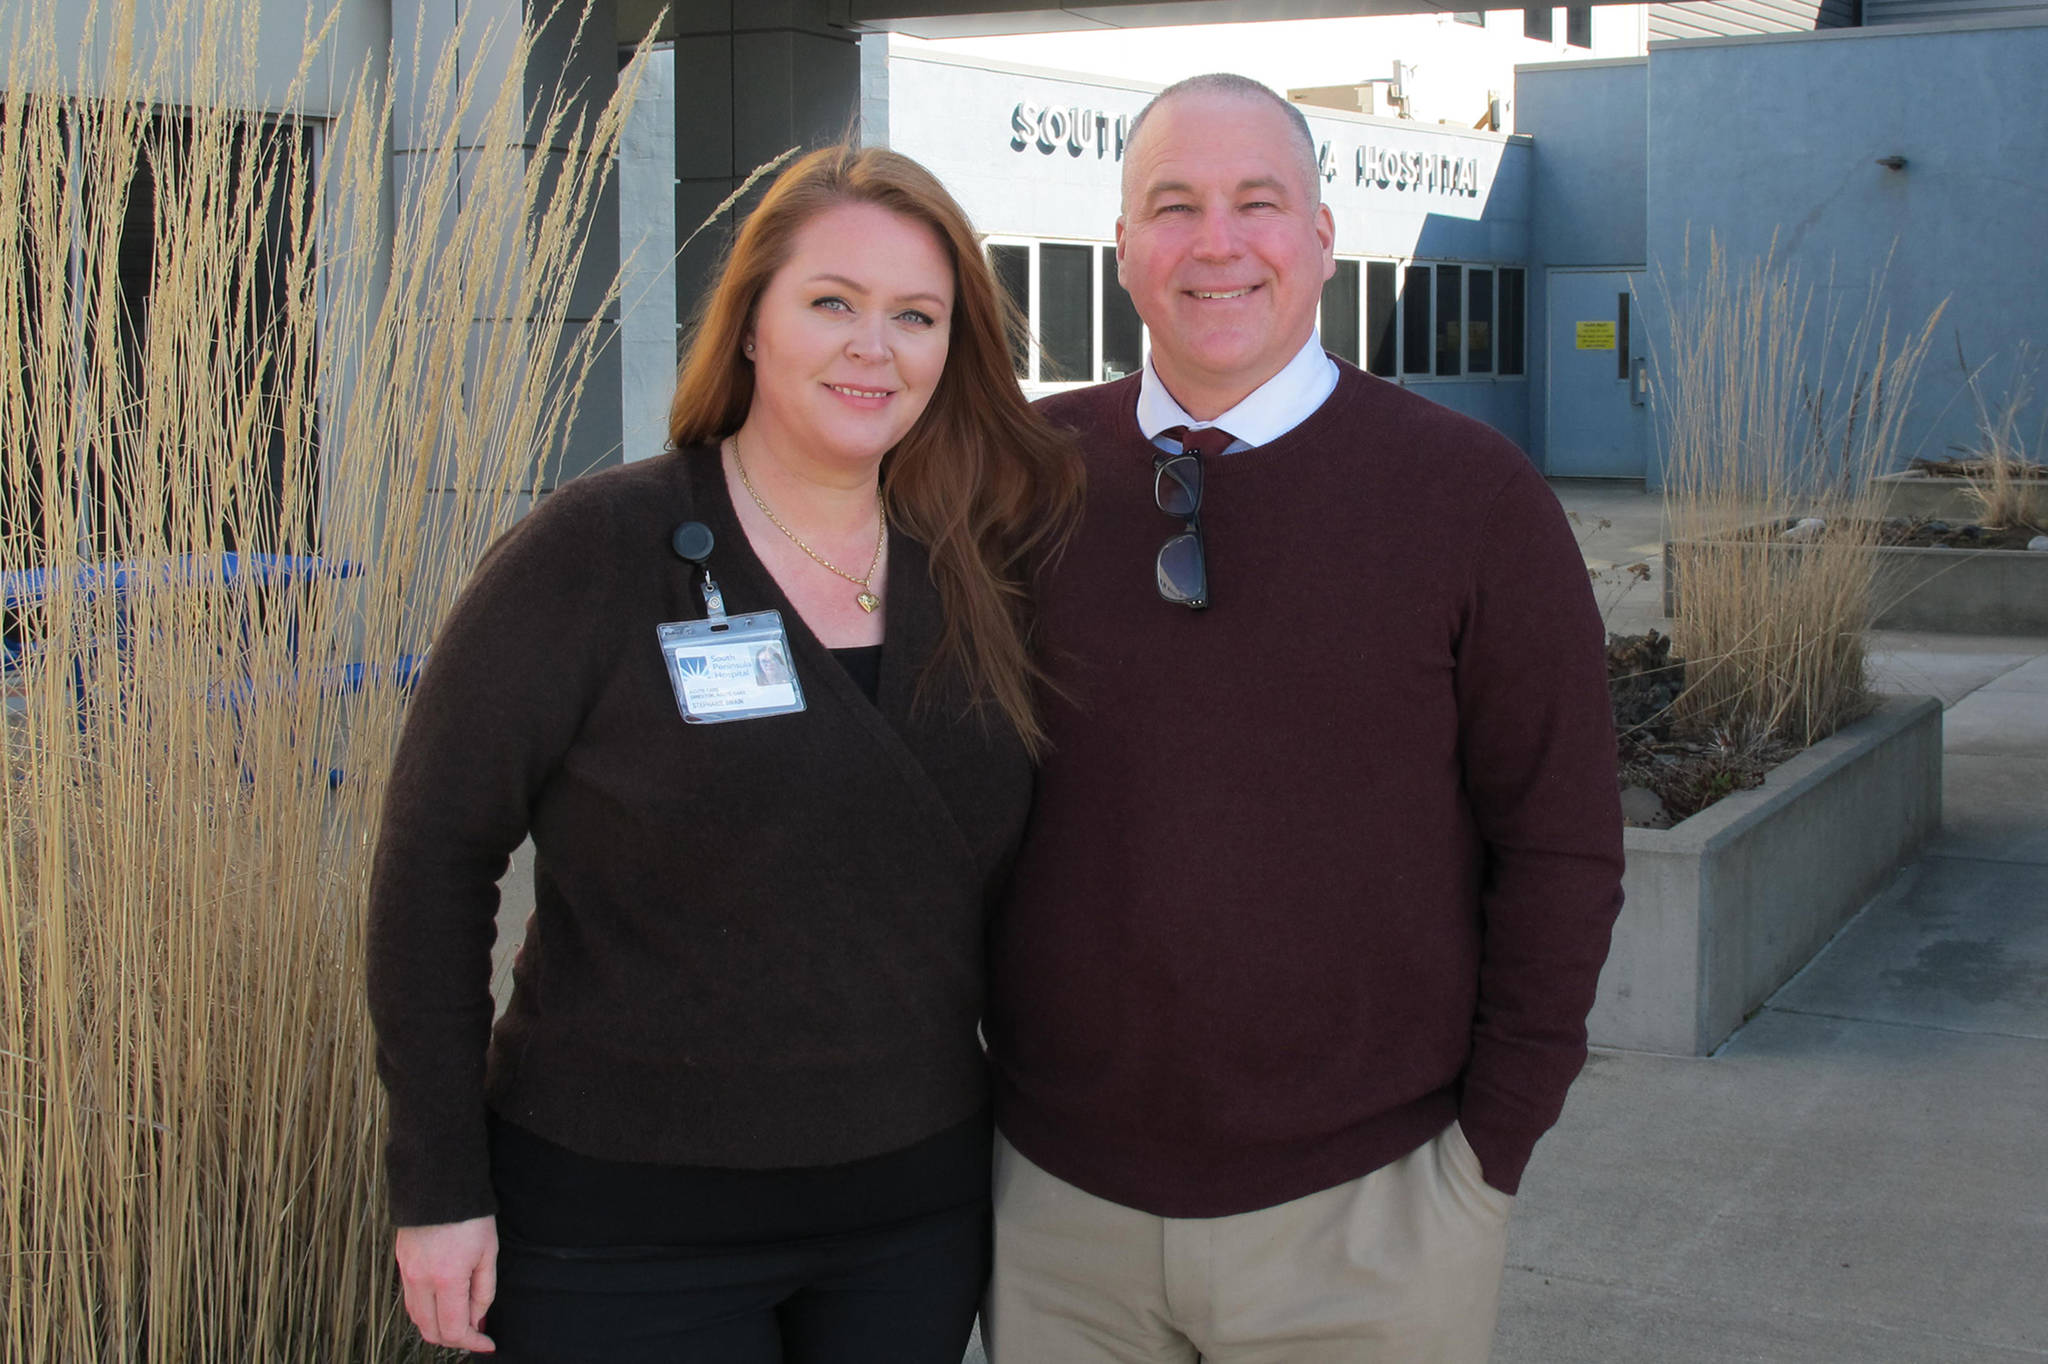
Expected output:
(1268, 412)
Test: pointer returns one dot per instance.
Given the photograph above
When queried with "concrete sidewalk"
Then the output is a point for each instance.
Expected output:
(1861, 1173)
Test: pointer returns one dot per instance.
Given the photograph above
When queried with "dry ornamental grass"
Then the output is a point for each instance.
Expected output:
(228, 338)
(1769, 410)
(2006, 485)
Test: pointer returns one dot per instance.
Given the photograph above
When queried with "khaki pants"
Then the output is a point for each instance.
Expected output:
(1402, 1266)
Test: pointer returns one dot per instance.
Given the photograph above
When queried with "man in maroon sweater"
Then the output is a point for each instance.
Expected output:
(1297, 961)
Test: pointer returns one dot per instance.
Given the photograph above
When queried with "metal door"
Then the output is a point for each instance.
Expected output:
(1597, 421)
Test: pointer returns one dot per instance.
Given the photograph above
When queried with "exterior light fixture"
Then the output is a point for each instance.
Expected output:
(1892, 162)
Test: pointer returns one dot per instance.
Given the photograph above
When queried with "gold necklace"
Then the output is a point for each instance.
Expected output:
(866, 600)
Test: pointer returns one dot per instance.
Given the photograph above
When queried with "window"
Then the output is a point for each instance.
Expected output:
(1012, 267)
(1379, 318)
(1474, 17)
(1443, 321)
(1536, 24)
(114, 463)
(1415, 320)
(40, 363)
(1621, 337)
(1081, 327)
(1401, 320)
(1066, 316)
(1511, 321)
(1578, 26)
(1339, 320)
(1479, 321)
(1450, 316)
(1123, 335)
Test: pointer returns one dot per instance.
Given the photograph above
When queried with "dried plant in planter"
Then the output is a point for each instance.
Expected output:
(1768, 410)
(2009, 489)
(258, 419)
(1684, 766)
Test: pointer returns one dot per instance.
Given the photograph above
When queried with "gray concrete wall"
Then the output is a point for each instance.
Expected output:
(647, 312)
(1753, 139)
(1587, 199)
(584, 70)
(1502, 404)
(191, 63)
(1946, 499)
(752, 80)
(1588, 119)
(1728, 905)
(1959, 591)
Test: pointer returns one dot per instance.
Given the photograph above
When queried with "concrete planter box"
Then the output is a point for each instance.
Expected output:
(1949, 591)
(1939, 499)
(1963, 591)
(1724, 907)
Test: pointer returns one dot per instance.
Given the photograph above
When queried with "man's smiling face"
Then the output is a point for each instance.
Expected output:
(1222, 244)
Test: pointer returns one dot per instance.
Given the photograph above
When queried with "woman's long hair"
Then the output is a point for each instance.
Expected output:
(986, 484)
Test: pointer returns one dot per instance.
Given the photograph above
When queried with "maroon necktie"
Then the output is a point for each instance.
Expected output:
(1206, 442)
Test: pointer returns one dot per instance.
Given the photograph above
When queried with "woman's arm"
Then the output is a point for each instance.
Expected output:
(512, 674)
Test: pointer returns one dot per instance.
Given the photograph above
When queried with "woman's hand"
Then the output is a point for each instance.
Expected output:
(450, 1272)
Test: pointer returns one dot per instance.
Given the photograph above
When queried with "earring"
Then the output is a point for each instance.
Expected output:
(750, 348)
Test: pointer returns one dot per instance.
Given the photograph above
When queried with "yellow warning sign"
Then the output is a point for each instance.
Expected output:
(1596, 336)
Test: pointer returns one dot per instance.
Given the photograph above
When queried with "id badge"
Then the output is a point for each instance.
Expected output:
(730, 667)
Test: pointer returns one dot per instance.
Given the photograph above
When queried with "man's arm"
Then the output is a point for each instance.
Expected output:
(1536, 737)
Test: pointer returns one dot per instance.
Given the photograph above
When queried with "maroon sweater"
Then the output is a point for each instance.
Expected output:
(1318, 869)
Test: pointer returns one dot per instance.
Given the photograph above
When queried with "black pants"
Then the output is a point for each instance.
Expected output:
(901, 1294)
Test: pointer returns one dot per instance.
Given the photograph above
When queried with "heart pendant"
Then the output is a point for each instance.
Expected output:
(868, 602)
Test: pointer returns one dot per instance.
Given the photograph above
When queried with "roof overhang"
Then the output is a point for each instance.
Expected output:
(983, 18)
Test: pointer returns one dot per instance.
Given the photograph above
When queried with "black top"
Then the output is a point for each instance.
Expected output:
(549, 1197)
(755, 945)
(864, 664)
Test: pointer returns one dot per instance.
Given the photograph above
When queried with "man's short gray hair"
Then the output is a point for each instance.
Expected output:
(1238, 87)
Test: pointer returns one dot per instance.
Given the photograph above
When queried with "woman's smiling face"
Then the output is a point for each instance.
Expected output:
(850, 336)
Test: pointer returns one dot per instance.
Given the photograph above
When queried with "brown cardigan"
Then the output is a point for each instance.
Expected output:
(756, 944)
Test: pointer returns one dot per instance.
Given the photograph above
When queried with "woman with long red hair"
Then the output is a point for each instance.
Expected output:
(765, 706)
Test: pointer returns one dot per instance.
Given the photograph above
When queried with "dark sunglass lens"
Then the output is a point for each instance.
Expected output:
(1183, 577)
(1178, 485)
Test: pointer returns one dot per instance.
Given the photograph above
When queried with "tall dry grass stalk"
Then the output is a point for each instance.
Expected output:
(225, 335)
(2010, 491)
(1769, 410)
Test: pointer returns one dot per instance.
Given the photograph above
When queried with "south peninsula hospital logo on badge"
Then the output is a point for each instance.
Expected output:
(692, 665)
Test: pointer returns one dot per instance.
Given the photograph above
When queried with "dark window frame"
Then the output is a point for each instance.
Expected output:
(1578, 26)
(1403, 333)
(1418, 326)
(1111, 316)
(1382, 325)
(1511, 328)
(1341, 337)
(1067, 312)
(1449, 283)
(110, 463)
(1479, 344)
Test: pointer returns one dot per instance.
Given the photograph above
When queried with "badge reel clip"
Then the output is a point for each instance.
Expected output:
(725, 667)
